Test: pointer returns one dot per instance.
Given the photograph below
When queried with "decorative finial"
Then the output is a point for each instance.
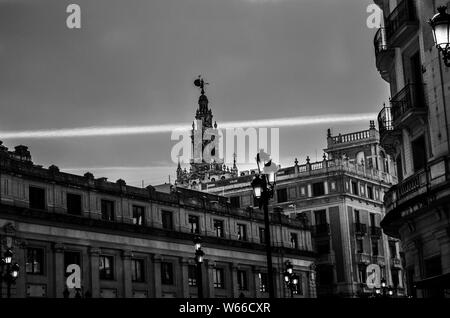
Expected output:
(215, 124)
(329, 133)
(324, 156)
(372, 124)
(296, 161)
(307, 159)
(200, 83)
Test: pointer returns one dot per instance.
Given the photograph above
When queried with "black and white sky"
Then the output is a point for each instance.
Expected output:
(133, 63)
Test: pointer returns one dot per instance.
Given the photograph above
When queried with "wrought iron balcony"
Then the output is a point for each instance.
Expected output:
(401, 23)
(321, 229)
(384, 55)
(385, 121)
(360, 229)
(396, 263)
(375, 231)
(408, 102)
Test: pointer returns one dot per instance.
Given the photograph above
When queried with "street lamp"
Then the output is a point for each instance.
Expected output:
(384, 290)
(440, 24)
(8, 271)
(290, 278)
(199, 257)
(263, 188)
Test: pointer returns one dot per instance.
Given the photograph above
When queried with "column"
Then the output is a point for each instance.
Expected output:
(234, 281)
(254, 282)
(184, 276)
(311, 276)
(60, 277)
(157, 275)
(208, 282)
(94, 253)
(127, 270)
(21, 250)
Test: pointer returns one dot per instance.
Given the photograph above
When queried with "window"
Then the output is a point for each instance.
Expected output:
(263, 282)
(433, 266)
(395, 278)
(357, 217)
(374, 247)
(318, 189)
(192, 275)
(392, 249)
(167, 222)
(255, 202)
(419, 153)
(282, 195)
(262, 235)
(218, 228)
(73, 204)
(219, 278)
(35, 261)
(37, 198)
(242, 280)
(294, 240)
(194, 223)
(362, 273)
(355, 188)
(138, 215)
(107, 210)
(325, 274)
(370, 192)
(372, 220)
(323, 247)
(359, 245)
(137, 267)
(106, 267)
(235, 202)
(242, 232)
(166, 273)
(321, 217)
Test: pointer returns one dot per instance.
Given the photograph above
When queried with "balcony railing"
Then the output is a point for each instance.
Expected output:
(385, 120)
(360, 228)
(375, 231)
(410, 98)
(351, 137)
(321, 229)
(380, 41)
(395, 262)
(402, 15)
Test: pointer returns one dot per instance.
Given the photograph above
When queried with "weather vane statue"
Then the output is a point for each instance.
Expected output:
(199, 82)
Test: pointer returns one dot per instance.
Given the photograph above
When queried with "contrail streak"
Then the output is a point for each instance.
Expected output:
(155, 129)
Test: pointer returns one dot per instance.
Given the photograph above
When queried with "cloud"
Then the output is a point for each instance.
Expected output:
(155, 129)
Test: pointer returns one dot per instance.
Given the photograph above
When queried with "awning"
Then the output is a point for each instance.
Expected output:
(440, 281)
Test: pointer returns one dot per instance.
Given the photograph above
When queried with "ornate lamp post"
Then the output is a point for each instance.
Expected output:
(290, 278)
(199, 256)
(440, 24)
(384, 290)
(263, 189)
(8, 271)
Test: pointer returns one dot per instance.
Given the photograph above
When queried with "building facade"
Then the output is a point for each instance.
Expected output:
(414, 129)
(341, 199)
(136, 242)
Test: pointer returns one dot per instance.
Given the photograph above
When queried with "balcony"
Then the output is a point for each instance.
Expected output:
(375, 231)
(407, 105)
(377, 259)
(401, 24)
(396, 263)
(384, 55)
(360, 229)
(321, 229)
(413, 195)
(388, 135)
(362, 258)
